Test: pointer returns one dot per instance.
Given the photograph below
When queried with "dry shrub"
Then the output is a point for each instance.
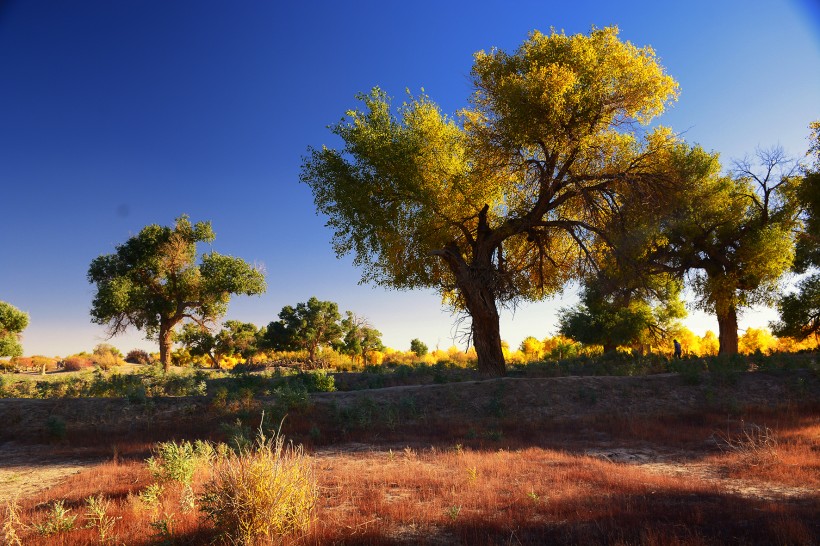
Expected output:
(755, 445)
(261, 494)
(12, 523)
(106, 361)
(77, 363)
(138, 356)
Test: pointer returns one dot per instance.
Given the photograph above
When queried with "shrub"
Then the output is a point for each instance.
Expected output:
(175, 462)
(22, 362)
(77, 363)
(138, 356)
(105, 361)
(105, 348)
(260, 494)
(43, 363)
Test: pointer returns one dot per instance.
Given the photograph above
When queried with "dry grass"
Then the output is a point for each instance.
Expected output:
(499, 480)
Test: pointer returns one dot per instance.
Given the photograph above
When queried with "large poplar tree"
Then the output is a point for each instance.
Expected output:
(503, 202)
(154, 281)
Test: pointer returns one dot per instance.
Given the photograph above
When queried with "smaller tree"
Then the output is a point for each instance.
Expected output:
(153, 282)
(360, 338)
(418, 347)
(235, 338)
(531, 347)
(12, 323)
(636, 317)
(800, 311)
(308, 326)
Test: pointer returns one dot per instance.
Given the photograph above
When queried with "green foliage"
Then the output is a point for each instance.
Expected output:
(56, 428)
(58, 520)
(142, 284)
(732, 234)
(308, 326)
(234, 339)
(12, 323)
(615, 313)
(97, 517)
(800, 311)
(419, 348)
(360, 338)
(505, 201)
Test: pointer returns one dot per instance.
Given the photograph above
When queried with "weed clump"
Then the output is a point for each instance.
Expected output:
(262, 493)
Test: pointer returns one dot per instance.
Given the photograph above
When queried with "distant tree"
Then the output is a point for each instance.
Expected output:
(308, 326)
(106, 348)
(12, 323)
(756, 340)
(235, 338)
(418, 347)
(360, 338)
(153, 282)
(800, 311)
(504, 203)
(733, 235)
(635, 316)
(531, 347)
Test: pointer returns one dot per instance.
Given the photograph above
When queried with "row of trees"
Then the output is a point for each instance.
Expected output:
(307, 327)
(548, 176)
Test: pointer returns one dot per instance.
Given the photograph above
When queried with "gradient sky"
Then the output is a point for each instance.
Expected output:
(118, 114)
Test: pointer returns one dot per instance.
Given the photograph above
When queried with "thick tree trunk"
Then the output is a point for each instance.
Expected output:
(166, 332)
(487, 340)
(727, 326)
(609, 347)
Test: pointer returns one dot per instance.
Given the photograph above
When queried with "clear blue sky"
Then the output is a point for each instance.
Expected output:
(119, 114)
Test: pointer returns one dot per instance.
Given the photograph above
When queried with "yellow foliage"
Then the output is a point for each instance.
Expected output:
(756, 339)
(709, 344)
(375, 358)
(229, 362)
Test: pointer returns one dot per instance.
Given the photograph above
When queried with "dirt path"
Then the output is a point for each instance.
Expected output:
(26, 469)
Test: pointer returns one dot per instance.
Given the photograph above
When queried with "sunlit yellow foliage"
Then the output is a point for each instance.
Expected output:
(709, 344)
(791, 345)
(228, 362)
(375, 358)
(757, 339)
(532, 348)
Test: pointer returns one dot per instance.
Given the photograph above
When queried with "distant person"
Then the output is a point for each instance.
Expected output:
(678, 353)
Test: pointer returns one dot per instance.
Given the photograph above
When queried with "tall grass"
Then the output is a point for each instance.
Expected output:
(261, 494)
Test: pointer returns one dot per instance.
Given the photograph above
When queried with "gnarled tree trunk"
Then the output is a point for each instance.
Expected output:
(486, 331)
(727, 327)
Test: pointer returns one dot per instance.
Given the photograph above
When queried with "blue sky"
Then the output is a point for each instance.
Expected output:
(119, 114)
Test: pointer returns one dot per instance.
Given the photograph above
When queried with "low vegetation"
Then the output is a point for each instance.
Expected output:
(419, 466)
